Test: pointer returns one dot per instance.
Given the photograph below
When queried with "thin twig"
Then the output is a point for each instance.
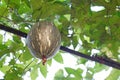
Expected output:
(28, 64)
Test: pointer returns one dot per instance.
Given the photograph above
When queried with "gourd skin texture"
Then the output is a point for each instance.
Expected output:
(43, 40)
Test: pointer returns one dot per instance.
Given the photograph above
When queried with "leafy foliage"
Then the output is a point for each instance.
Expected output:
(76, 21)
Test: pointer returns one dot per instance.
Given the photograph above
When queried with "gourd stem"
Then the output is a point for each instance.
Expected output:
(44, 59)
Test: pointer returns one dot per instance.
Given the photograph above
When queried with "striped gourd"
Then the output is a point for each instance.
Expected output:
(43, 40)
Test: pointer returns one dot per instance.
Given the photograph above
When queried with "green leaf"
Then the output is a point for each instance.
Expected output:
(17, 39)
(25, 55)
(36, 4)
(81, 61)
(58, 58)
(59, 75)
(8, 42)
(114, 75)
(42, 12)
(2, 60)
(60, 8)
(43, 69)
(76, 73)
(63, 19)
(98, 67)
(24, 9)
(74, 41)
(49, 62)
(13, 3)
(69, 70)
(20, 66)
(3, 50)
(1, 38)
(5, 69)
(36, 14)
(34, 73)
(23, 27)
(17, 18)
(89, 76)
(3, 9)
(66, 40)
(80, 71)
(12, 62)
(14, 73)
(13, 47)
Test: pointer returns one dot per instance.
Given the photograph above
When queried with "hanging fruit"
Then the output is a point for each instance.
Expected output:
(43, 40)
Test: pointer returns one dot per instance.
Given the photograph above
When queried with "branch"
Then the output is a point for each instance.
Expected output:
(98, 59)
(14, 31)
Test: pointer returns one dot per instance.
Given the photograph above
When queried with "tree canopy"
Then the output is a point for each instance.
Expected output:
(80, 26)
